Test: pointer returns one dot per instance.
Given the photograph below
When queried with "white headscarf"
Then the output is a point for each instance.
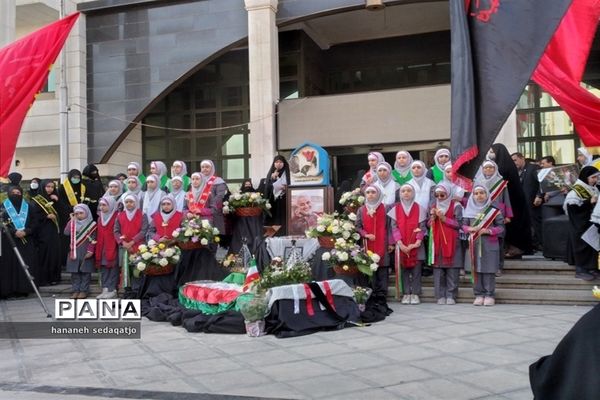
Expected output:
(120, 186)
(439, 153)
(457, 192)
(168, 199)
(131, 213)
(474, 209)
(389, 186)
(178, 195)
(138, 188)
(588, 157)
(443, 205)
(161, 167)
(196, 191)
(372, 206)
(490, 181)
(183, 168)
(379, 157)
(408, 204)
(151, 202)
(80, 224)
(112, 208)
(213, 170)
(422, 185)
(135, 165)
(403, 171)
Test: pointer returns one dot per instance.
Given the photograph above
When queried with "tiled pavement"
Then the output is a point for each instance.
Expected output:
(420, 352)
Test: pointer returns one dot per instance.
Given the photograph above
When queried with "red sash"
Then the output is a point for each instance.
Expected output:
(406, 225)
(106, 245)
(130, 229)
(444, 239)
(376, 225)
(196, 206)
(166, 229)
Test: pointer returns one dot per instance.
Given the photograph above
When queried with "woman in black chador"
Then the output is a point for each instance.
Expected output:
(21, 226)
(94, 189)
(518, 237)
(71, 193)
(276, 183)
(46, 207)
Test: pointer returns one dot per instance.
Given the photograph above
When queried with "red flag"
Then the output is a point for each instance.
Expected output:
(24, 67)
(561, 68)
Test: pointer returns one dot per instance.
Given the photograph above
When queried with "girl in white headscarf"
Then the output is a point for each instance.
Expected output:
(115, 189)
(584, 158)
(159, 169)
(407, 232)
(135, 169)
(152, 196)
(375, 158)
(422, 184)
(80, 263)
(385, 182)
(401, 172)
(445, 252)
(178, 192)
(215, 188)
(458, 193)
(483, 224)
(371, 223)
(107, 249)
(496, 185)
(179, 169)
(440, 159)
(165, 220)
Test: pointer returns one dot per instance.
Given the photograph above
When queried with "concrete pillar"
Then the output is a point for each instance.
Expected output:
(263, 58)
(8, 21)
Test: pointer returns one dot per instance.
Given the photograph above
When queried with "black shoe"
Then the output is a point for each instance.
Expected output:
(585, 276)
(426, 272)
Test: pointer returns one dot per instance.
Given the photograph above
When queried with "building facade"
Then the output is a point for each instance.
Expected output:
(239, 81)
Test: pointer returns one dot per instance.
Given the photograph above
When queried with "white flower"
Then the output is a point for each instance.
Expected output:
(374, 267)
(142, 248)
(205, 223)
(268, 205)
(361, 198)
(215, 231)
(320, 228)
(237, 196)
(225, 210)
(188, 232)
(347, 226)
(343, 256)
(254, 196)
(151, 243)
(176, 257)
(356, 236)
(352, 217)
(169, 252)
(325, 256)
(163, 262)
(141, 266)
(276, 259)
(225, 203)
(340, 241)
(375, 257)
(203, 241)
(346, 234)
(335, 230)
(146, 256)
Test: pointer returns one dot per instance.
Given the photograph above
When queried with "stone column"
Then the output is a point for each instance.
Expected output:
(8, 21)
(263, 58)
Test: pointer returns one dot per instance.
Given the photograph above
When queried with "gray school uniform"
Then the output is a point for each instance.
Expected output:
(80, 268)
(487, 260)
(447, 277)
(215, 203)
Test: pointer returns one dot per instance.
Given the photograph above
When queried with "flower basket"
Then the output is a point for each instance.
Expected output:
(248, 211)
(156, 270)
(351, 270)
(189, 245)
(326, 242)
(255, 328)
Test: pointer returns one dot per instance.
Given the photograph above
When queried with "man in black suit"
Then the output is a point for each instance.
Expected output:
(529, 182)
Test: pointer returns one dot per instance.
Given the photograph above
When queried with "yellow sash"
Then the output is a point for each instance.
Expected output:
(71, 193)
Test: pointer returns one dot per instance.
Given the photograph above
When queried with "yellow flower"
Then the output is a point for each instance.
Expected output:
(155, 250)
(345, 268)
(161, 246)
(329, 228)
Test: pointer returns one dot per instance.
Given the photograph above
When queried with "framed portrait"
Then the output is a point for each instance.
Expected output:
(558, 178)
(304, 205)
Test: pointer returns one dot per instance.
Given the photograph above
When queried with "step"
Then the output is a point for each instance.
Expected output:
(517, 296)
(528, 281)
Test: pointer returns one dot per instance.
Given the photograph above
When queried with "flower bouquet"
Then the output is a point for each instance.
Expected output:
(352, 200)
(234, 263)
(278, 273)
(155, 258)
(331, 227)
(250, 204)
(195, 233)
(254, 309)
(348, 258)
(361, 295)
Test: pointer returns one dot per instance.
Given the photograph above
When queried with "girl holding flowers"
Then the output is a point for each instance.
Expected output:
(484, 224)
(371, 223)
(407, 232)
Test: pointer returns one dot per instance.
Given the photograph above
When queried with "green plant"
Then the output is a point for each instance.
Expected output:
(278, 274)
(253, 308)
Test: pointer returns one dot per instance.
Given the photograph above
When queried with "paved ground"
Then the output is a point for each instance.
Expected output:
(420, 352)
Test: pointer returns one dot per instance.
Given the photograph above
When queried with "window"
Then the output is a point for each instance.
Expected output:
(50, 85)
(214, 97)
(543, 128)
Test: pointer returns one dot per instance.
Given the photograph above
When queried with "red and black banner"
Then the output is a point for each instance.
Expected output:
(496, 47)
(24, 68)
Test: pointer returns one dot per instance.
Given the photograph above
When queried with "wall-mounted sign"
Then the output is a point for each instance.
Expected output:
(309, 165)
